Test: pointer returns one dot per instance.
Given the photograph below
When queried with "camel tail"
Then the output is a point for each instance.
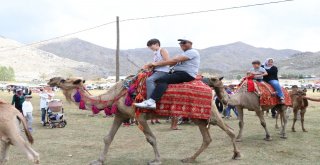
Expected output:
(26, 130)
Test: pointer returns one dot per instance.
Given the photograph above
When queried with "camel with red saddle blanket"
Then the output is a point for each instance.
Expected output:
(257, 97)
(116, 97)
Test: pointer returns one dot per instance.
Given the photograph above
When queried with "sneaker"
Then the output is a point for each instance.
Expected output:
(147, 104)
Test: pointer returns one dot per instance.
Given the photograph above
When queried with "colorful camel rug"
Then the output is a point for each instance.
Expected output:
(190, 99)
(267, 93)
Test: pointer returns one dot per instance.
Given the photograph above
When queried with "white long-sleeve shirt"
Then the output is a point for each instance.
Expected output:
(43, 100)
(26, 107)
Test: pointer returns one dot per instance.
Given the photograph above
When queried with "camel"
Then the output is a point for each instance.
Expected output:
(249, 100)
(10, 133)
(298, 103)
(115, 96)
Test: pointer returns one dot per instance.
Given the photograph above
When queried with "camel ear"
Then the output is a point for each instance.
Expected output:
(220, 78)
(77, 82)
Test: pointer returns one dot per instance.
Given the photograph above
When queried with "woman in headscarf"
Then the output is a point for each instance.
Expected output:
(272, 78)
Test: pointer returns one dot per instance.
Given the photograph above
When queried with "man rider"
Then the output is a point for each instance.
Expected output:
(186, 67)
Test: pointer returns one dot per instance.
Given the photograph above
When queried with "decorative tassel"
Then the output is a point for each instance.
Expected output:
(82, 105)
(107, 111)
(114, 108)
(94, 109)
(139, 97)
(77, 97)
(128, 100)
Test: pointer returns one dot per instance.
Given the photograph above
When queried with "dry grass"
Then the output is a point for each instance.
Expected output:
(81, 141)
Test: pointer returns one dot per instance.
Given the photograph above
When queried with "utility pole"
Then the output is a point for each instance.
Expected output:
(117, 52)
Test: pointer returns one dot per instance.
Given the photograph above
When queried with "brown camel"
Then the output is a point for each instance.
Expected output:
(124, 112)
(249, 100)
(10, 133)
(298, 103)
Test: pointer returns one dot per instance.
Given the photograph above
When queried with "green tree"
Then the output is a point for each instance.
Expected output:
(239, 77)
(7, 73)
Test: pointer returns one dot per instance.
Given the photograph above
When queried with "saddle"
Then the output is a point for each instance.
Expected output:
(265, 91)
(189, 99)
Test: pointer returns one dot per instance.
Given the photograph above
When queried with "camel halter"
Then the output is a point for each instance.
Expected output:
(80, 97)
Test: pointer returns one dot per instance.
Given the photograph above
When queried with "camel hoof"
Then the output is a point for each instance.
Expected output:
(238, 140)
(284, 136)
(36, 162)
(277, 127)
(96, 162)
(236, 156)
(293, 130)
(188, 160)
(268, 139)
(304, 130)
(154, 162)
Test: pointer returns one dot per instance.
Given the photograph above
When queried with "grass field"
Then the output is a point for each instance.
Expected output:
(81, 141)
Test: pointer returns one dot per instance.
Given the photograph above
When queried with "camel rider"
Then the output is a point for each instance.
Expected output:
(272, 78)
(186, 67)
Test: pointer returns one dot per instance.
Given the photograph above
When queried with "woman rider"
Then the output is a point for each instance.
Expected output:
(272, 78)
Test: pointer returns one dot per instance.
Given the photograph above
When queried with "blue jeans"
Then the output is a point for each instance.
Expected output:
(43, 114)
(151, 82)
(275, 84)
(227, 111)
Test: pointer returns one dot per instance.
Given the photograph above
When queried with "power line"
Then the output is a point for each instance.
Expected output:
(144, 18)
(61, 36)
(205, 11)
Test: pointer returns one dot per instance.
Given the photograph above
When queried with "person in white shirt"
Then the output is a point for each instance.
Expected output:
(43, 105)
(27, 109)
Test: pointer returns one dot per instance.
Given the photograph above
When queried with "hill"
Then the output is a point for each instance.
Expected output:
(229, 60)
(31, 63)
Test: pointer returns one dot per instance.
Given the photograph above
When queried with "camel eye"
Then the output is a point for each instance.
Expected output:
(62, 81)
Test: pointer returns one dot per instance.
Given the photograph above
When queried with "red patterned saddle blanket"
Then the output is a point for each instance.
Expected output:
(190, 99)
(266, 92)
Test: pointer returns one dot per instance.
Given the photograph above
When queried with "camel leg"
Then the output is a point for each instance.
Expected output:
(283, 119)
(295, 114)
(150, 138)
(205, 143)
(302, 112)
(4, 152)
(18, 141)
(277, 117)
(231, 134)
(241, 124)
(263, 123)
(108, 139)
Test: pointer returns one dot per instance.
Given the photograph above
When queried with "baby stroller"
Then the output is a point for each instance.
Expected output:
(55, 116)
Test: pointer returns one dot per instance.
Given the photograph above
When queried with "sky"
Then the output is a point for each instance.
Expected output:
(289, 25)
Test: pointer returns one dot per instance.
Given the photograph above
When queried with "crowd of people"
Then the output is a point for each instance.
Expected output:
(22, 102)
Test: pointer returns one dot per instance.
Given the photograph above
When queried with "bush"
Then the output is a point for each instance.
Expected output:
(6, 73)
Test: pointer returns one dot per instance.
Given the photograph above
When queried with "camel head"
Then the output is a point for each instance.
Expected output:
(217, 84)
(68, 85)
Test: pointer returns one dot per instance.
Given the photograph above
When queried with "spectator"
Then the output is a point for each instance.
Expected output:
(229, 107)
(43, 105)
(27, 111)
(18, 99)
(218, 103)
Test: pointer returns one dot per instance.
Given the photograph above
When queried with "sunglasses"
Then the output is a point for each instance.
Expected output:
(183, 42)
